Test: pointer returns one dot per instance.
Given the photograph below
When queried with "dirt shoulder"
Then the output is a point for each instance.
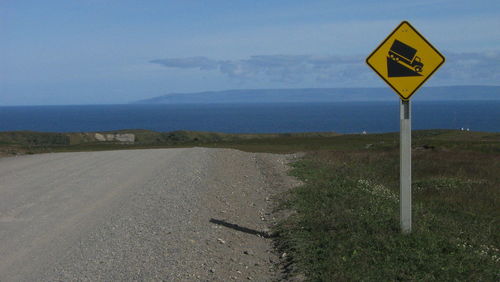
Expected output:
(241, 203)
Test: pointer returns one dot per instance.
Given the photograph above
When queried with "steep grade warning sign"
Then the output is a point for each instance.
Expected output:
(405, 60)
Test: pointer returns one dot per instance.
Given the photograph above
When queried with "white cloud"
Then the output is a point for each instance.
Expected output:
(460, 68)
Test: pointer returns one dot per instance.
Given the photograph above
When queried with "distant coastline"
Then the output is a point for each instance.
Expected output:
(314, 95)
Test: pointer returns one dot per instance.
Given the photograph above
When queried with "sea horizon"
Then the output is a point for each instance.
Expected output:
(341, 117)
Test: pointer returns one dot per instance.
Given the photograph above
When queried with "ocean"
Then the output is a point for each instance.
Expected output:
(342, 117)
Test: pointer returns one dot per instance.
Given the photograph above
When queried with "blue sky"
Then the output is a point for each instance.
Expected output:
(104, 51)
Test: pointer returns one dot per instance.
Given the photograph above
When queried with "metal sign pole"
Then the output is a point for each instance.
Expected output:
(405, 167)
(405, 60)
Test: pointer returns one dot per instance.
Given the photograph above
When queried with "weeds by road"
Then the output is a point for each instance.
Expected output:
(346, 225)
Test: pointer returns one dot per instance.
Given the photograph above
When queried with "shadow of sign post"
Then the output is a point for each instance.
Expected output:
(240, 228)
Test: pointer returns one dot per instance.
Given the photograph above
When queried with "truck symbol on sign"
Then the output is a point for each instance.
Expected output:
(401, 52)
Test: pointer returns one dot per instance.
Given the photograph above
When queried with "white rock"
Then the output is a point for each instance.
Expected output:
(100, 137)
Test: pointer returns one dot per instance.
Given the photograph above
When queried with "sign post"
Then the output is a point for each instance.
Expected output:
(405, 166)
(405, 60)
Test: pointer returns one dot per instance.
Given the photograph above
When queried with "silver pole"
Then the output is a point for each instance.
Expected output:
(405, 167)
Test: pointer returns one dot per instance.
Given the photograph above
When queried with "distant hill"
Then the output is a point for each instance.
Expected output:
(305, 95)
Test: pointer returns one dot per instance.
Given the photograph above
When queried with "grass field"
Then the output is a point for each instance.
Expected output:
(345, 217)
(346, 225)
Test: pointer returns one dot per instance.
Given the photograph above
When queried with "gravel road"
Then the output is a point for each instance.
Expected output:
(160, 214)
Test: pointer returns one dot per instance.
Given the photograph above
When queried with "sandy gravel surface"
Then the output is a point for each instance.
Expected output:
(164, 214)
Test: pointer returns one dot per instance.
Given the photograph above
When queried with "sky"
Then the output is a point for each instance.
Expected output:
(55, 52)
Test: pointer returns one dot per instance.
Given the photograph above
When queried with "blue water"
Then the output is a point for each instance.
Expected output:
(343, 117)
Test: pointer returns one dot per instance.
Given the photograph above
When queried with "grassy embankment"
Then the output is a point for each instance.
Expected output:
(345, 225)
(26, 142)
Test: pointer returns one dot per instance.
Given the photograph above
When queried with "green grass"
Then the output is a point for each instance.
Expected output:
(37, 142)
(346, 225)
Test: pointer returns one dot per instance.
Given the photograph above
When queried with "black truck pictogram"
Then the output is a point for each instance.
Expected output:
(401, 52)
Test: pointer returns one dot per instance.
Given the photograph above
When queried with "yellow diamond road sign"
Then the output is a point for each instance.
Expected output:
(405, 60)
